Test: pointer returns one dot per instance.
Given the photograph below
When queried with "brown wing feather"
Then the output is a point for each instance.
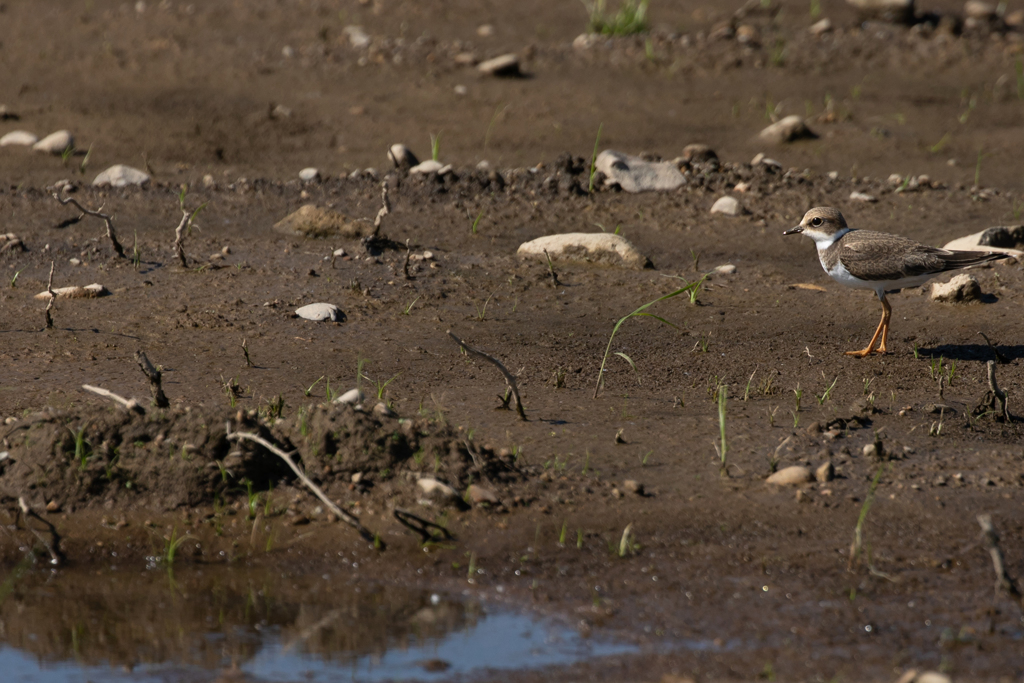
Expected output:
(870, 254)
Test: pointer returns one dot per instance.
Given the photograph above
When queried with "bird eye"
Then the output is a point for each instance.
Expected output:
(815, 221)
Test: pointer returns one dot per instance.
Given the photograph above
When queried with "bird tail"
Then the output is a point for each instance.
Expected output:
(954, 260)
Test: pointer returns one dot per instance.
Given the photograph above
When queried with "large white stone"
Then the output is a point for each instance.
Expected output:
(76, 292)
(428, 166)
(962, 289)
(790, 476)
(55, 143)
(727, 205)
(402, 157)
(634, 174)
(309, 174)
(19, 137)
(351, 397)
(320, 312)
(120, 175)
(591, 247)
(786, 130)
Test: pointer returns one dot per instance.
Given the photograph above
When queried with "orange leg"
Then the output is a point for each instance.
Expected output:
(881, 331)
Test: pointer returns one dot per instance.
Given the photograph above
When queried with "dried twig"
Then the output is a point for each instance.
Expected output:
(154, 376)
(405, 266)
(999, 357)
(509, 378)
(1004, 582)
(53, 545)
(108, 219)
(994, 399)
(179, 239)
(338, 512)
(53, 297)
(551, 271)
(128, 403)
(384, 210)
(245, 350)
(420, 526)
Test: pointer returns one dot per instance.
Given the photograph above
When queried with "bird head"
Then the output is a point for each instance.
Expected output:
(821, 224)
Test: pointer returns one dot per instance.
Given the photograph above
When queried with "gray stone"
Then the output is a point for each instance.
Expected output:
(790, 476)
(55, 143)
(321, 312)
(428, 166)
(728, 206)
(505, 65)
(75, 292)
(357, 37)
(120, 175)
(963, 288)
(479, 494)
(309, 174)
(351, 397)
(600, 247)
(892, 11)
(437, 491)
(787, 130)
(313, 221)
(19, 137)
(634, 174)
(402, 157)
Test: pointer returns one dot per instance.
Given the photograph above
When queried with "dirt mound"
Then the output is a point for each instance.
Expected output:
(174, 458)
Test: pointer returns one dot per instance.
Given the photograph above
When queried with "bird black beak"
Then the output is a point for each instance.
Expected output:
(794, 231)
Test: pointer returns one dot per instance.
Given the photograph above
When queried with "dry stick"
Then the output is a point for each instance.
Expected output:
(154, 376)
(999, 357)
(179, 239)
(245, 350)
(108, 219)
(53, 297)
(1004, 582)
(504, 371)
(384, 210)
(338, 512)
(56, 556)
(128, 403)
(405, 266)
(998, 395)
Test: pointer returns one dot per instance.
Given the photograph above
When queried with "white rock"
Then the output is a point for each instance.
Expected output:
(401, 156)
(894, 11)
(726, 269)
(55, 143)
(351, 397)
(634, 174)
(120, 175)
(209, 181)
(320, 312)
(788, 129)
(309, 174)
(823, 26)
(963, 288)
(505, 65)
(976, 9)
(19, 137)
(485, 30)
(461, 90)
(428, 166)
(862, 197)
(790, 476)
(88, 292)
(993, 239)
(727, 205)
(356, 36)
(382, 410)
(437, 490)
(600, 247)
(932, 677)
(826, 472)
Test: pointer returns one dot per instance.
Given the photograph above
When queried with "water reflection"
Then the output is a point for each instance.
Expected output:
(237, 624)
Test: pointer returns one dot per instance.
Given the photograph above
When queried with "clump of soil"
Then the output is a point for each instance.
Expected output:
(183, 457)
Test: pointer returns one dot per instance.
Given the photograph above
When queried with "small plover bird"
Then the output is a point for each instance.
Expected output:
(876, 260)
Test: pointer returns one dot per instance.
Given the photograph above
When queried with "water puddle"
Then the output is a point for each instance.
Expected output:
(73, 627)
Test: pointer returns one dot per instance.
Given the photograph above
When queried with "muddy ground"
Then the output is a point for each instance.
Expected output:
(759, 574)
